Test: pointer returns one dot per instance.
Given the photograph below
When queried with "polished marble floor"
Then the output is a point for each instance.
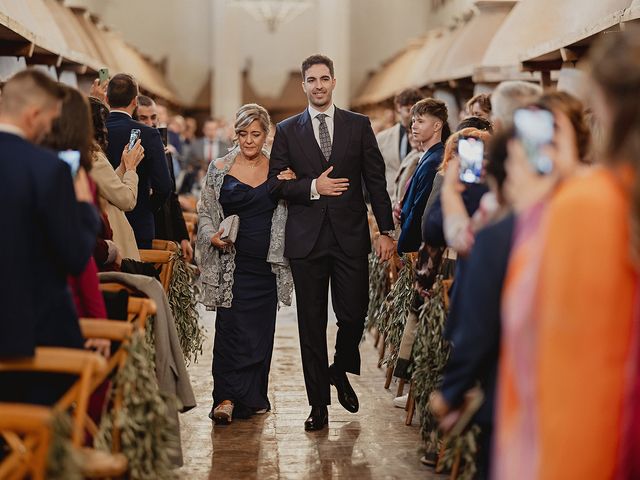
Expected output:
(371, 444)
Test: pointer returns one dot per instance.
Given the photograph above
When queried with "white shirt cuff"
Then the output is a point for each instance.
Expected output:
(314, 191)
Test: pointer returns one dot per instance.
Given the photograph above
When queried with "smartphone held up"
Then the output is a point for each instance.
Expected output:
(535, 128)
(133, 138)
(71, 158)
(471, 155)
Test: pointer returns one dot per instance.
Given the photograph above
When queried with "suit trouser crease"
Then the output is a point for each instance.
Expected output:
(348, 275)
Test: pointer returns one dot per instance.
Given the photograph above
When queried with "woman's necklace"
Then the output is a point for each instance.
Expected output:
(252, 163)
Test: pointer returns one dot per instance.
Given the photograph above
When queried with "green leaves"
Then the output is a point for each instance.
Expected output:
(182, 299)
(144, 420)
(378, 288)
(63, 462)
(395, 310)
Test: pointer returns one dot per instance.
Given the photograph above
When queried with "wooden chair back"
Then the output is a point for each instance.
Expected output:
(138, 308)
(20, 422)
(84, 364)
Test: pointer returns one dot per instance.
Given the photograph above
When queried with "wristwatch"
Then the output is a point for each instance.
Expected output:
(388, 233)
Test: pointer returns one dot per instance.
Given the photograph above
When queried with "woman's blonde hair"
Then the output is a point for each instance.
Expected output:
(249, 113)
(451, 147)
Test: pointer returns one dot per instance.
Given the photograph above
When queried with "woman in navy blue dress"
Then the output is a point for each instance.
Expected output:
(243, 284)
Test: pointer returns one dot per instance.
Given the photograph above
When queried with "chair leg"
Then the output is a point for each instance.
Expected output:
(456, 465)
(383, 350)
(411, 407)
(400, 390)
(387, 382)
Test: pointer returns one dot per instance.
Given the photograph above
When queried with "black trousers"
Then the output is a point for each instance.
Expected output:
(349, 277)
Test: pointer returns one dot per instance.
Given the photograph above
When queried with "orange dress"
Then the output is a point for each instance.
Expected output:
(587, 288)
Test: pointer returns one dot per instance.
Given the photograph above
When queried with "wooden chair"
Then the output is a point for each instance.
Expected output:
(86, 365)
(138, 307)
(19, 422)
(160, 259)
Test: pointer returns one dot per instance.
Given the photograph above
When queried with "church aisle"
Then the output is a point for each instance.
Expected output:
(372, 444)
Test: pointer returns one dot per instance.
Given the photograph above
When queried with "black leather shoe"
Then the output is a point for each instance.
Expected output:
(346, 396)
(318, 419)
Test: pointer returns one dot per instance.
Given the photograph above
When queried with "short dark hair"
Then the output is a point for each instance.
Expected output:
(497, 157)
(29, 86)
(477, 123)
(316, 59)
(144, 101)
(435, 108)
(408, 97)
(121, 91)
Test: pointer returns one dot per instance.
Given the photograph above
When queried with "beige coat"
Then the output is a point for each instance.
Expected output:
(120, 190)
(389, 145)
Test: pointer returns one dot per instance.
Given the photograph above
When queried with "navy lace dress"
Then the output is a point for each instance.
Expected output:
(244, 333)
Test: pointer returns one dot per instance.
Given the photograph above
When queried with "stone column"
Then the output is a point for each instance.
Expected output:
(334, 40)
(227, 60)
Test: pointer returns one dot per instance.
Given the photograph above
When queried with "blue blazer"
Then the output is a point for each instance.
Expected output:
(416, 198)
(153, 173)
(475, 313)
(46, 235)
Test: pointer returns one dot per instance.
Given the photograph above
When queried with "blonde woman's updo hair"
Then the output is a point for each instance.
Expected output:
(248, 114)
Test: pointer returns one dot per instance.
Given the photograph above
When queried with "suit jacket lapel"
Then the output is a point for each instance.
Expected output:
(341, 136)
(308, 142)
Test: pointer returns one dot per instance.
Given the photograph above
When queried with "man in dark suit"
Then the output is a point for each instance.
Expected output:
(48, 231)
(154, 182)
(169, 221)
(202, 151)
(327, 235)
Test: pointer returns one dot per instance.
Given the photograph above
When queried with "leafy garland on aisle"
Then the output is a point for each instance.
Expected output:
(378, 288)
(182, 300)
(144, 420)
(430, 354)
(467, 446)
(396, 309)
(63, 460)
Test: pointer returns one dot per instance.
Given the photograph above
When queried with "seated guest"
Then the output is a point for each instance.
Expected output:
(154, 182)
(394, 142)
(119, 187)
(430, 128)
(479, 106)
(48, 230)
(169, 221)
(203, 151)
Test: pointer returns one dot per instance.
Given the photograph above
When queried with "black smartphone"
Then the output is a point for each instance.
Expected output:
(535, 128)
(133, 138)
(164, 134)
(103, 75)
(72, 158)
(471, 155)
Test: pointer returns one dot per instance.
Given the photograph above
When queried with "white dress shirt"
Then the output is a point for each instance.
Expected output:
(12, 129)
(211, 147)
(115, 110)
(315, 121)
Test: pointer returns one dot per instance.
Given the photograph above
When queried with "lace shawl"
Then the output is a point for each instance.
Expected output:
(216, 266)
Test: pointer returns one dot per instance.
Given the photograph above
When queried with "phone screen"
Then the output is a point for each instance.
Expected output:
(72, 158)
(534, 128)
(103, 75)
(164, 135)
(135, 135)
(471, 154)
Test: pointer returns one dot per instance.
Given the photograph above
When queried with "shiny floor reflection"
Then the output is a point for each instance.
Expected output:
(372, 444)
